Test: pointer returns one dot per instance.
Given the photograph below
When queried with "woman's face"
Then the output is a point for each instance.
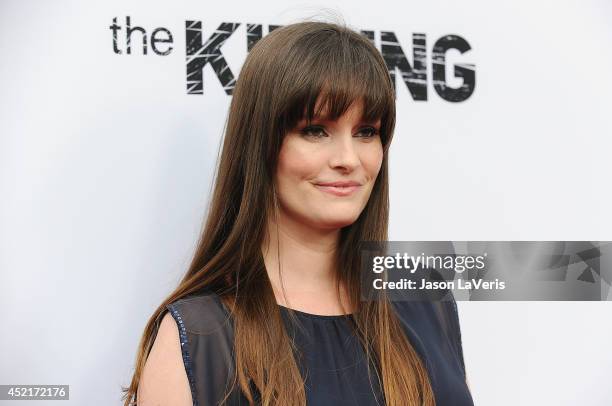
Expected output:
(326, 170)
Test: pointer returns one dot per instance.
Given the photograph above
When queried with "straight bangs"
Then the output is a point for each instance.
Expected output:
(332, 71)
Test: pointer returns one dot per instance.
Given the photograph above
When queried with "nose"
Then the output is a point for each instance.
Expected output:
(344, 155)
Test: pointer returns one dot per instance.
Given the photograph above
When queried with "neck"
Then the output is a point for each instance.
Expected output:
(300, 262)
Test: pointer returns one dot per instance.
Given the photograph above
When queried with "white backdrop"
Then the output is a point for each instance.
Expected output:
(106, 164)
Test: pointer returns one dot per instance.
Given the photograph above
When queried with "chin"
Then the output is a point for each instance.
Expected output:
(332, 222)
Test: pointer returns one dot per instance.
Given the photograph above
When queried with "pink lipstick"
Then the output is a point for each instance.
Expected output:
(339, 188)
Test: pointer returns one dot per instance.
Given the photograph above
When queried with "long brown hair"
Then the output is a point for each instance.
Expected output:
(286, 75)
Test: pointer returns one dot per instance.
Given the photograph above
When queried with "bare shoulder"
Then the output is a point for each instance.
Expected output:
(164, 379)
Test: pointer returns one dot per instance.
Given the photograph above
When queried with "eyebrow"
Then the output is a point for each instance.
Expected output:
(325, 118)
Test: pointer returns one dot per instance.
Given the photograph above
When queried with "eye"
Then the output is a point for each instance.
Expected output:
(369, 132)
(314, 131)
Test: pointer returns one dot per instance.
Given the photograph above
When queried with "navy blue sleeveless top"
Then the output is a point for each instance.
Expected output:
(332, 360)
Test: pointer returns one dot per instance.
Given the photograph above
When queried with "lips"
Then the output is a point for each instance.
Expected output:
(345, 183)
(340, 188)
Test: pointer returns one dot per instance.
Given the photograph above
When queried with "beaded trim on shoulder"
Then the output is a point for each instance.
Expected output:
(184, 351)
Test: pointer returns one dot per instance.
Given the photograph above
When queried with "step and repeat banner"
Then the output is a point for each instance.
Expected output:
(111, 124)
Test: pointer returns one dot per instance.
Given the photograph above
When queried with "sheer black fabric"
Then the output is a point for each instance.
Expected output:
(332, 360)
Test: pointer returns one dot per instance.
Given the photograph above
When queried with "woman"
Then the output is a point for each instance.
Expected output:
(269, 311)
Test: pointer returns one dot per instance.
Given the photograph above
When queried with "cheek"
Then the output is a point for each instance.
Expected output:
(371, 159)
(296, 163)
